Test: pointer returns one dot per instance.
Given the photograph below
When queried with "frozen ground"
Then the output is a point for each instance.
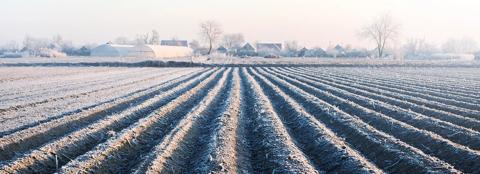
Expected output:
(222, 61)
(240, 120)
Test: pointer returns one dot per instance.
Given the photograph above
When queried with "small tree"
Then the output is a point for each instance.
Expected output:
(210, 31)
(381, 31)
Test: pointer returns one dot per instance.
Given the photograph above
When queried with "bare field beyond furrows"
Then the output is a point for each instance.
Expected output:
(240, 120)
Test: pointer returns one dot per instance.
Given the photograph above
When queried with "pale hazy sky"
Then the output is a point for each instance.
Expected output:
(311, 22)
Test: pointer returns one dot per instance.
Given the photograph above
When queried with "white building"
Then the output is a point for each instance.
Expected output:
(111, 50)
(159, 51)
(143, 51)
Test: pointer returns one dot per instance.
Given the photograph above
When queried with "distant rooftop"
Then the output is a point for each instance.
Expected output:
(269, 46)
(183, 43)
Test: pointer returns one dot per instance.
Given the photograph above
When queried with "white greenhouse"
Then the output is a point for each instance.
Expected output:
(111, 50)
(141, 51)
(160, 51)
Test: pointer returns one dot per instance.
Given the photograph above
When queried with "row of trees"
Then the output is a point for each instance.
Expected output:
(384, 31)
(57, 46)
(152, 38)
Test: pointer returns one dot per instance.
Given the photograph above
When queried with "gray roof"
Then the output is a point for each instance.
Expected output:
(339, 48)
(222, 49)
(269, 46)
(247, 46)
(183, 43)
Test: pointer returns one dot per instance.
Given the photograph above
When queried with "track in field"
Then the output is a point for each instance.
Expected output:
(241, 120)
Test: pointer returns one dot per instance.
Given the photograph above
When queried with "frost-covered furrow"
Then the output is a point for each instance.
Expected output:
(418, 85)
(453, 103)
(178, 151)
(12, 74)
(40, 112)
(454, 76)
(28, 117)
(126, 149)
(32, 137)
(385, 151)
(423, 93)
(433, 107)
(52, 93)
(272, 148)
(461, 157)
(454, 133)
(390, 99)
(27, 88)
(458, 84)
(319, 143)
(66, 148)
(226, 149)
(398, 81)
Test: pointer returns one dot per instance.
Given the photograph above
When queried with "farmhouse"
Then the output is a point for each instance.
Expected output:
(246, 50)
(222, 50)
(264, 49)
(302, 52)
(111, 50)
(159, 51)
(182, 43)
(316, 52)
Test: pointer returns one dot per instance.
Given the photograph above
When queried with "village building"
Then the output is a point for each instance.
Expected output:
(246, 50)
(111, 50)
(160, 51)
(222, 50)
(182, 43)
(302, 52)
(143, 51)
(316, 52)
(268, 49)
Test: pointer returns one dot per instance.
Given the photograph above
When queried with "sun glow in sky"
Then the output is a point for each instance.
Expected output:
(310, 22)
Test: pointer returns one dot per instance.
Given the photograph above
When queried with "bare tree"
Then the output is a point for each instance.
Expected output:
(194, 44)
(382, 30)
(418, 47)
(142, 38)
(464, 45)
(155, 38)
(210, 31)
(233, 40)
(291, 48)
(121, 40)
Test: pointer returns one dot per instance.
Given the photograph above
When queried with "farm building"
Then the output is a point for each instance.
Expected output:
(264, 49)
(111, 50)
(222, 50)
(316, 52)
(182, 43)
(302, 52)
(246, 50)
(159, 51)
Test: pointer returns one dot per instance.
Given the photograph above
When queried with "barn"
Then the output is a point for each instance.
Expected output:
(111, 50)
(159, 51)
